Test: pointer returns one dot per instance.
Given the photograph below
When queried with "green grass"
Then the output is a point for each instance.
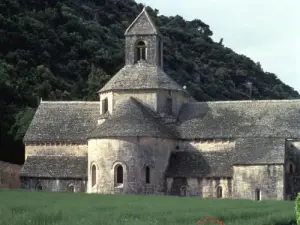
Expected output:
(39, 208)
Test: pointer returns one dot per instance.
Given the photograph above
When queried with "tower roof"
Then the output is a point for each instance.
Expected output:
(141, 76)
(142, 25)
(131, 118)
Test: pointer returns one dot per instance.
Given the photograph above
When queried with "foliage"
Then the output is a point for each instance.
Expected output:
(298, 209)
(32, 208)
(68, 49)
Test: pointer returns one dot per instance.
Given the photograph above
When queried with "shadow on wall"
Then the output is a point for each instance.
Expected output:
(187, 162)
(9, 175)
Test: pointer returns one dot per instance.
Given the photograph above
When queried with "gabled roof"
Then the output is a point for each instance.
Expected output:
(55, 167)
(63, 121)
(131, 118)
(234, 119)
(141, 76)
(248, 151)
(142, 25)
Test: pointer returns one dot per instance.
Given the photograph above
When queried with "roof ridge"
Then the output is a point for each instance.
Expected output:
(151, 115)
(239, 101)
(69, 102)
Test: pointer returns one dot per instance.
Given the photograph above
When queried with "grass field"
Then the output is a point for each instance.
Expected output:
(40, 208)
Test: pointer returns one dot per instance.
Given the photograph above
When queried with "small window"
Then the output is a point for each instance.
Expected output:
(169, 106)
(140, 51)
(291, 169)
(118, 175)
(71, 188)
(257, 195)
(219, 192)
(104, 106)
(93, 175)
(147, 175)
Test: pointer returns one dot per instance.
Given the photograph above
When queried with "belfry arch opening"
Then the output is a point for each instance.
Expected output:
(140, 51)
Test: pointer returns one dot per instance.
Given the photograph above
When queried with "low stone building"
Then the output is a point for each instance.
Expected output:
(147, 135)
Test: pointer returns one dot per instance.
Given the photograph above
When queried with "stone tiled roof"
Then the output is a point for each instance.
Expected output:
(260, 151)
(132, 118)
(200, 164)
(248, 151)
(232, 119)
(141, 76)
(55, 167)
(142, 25)
(63, 121)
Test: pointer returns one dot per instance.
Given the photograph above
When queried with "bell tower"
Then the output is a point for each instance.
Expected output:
(143, 43)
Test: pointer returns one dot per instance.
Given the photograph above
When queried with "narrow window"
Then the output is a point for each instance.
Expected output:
(169, 106)
(119, 175)
(291, 169)
(140, 51)
(147, 175)
(71, 188)
(219, 192)
(257, 195)
(104, 106)
(93, 175)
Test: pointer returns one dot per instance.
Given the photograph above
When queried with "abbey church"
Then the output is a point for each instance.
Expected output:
(147, 135)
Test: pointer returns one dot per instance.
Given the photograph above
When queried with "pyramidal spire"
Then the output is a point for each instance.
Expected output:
(142, 25)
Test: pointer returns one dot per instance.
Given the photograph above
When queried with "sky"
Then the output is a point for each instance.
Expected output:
(267, 31)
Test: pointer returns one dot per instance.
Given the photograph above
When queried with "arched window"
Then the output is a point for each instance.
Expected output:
(39, 187)
(141, 51)
(147, 175)
(93, 175)
(219, 192)
(257, 195)
(118, 175)
(71, 188)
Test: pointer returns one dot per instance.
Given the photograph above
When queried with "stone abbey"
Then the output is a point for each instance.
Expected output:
(147, 135)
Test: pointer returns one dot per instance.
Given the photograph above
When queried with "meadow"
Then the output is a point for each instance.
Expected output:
(20, 207)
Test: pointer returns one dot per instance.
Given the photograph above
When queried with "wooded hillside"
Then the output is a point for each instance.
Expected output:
(68, 49)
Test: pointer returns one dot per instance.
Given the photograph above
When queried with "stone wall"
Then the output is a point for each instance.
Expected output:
(206, 146)
(9, 175)
(292, 169)
(268, 179)
(178, 98)
(203, 187)
(56, 150)
(53, 185)
(148, 97)
(134, 154)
